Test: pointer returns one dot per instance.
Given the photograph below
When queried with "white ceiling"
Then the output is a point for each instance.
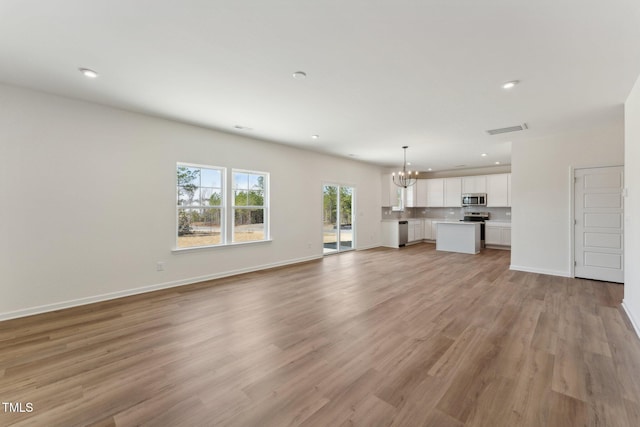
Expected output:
(381, 74)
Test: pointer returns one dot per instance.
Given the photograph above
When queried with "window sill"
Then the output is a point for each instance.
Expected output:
(200, 248)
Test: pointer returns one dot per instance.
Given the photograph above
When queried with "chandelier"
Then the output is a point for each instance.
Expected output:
(404, 178)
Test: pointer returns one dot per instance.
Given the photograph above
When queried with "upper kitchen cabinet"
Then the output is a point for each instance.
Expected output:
(391, 194)
(474, 184)
(421, 192)
(435, 192)
(452, 192)
(411, 195)
(499, 190)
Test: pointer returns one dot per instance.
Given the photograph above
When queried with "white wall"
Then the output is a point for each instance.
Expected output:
(541, 193)
(631, 301)
(87, 201)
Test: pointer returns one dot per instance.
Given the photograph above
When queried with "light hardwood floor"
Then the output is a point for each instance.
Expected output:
(384, 337)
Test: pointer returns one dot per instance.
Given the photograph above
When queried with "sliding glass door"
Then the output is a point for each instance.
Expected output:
(338, 228)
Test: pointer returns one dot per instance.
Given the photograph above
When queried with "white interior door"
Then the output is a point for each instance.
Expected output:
(598, 223)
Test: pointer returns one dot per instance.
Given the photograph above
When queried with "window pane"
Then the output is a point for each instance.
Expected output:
(188, 195)
(211, 178)
(198, 227)
(256, 198)
(188, 176)
(240, 198)
(240, 181)
(248, 225)
(256, 182)
(211, 197)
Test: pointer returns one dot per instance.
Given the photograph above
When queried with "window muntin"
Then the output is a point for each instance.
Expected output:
(200, 206)
(250, 206)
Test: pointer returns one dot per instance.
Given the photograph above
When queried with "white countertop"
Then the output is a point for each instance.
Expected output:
(417, 219)
(460, 222)
(498, 223)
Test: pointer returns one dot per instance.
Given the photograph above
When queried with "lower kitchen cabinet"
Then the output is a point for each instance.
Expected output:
(431, 229)
(415, 230)
(418, 230)
(426, 233)
(498, 234)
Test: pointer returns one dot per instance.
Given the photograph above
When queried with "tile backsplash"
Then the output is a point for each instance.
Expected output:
(503, 214)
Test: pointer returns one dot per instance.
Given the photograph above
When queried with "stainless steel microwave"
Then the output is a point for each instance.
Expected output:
(474, 199)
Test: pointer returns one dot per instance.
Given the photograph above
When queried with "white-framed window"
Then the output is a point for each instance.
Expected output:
(250, 206)
(201, 205)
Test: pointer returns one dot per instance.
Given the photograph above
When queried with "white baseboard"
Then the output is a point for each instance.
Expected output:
(633, 320)
(364, 248)
(540, 271)
(144, 289)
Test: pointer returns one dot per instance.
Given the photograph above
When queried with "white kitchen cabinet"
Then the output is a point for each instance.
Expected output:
(498, 190)
(435, 192)
(505, 236)
(426, 231)
(385, 189)
(497, 233)
(391, 194)
(446, 192)
(452, 192)
(390, 234)
(433, 229)
(430, 231)
(474, 184)
(421, 193)
(410, 196)
(415, 230)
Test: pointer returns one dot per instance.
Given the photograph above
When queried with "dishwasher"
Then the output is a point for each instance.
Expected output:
(403, 233)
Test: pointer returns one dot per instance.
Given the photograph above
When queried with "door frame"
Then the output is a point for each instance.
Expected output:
(572, 212)
(353, 216)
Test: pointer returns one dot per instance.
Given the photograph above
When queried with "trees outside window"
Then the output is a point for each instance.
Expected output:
(249, 205)
(200, 205)
(337, 217)
(202, 210)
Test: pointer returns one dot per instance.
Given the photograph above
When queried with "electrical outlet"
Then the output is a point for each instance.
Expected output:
(160, 266)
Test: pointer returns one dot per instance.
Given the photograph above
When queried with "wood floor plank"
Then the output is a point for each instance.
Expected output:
(530, 402)
(567, 411)
(383, 337)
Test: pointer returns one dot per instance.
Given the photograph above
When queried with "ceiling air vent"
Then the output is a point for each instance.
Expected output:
(508, 129)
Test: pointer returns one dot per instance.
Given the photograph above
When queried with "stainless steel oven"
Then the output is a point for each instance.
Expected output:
(480, 217)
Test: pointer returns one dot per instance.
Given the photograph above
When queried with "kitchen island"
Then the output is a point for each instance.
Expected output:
(463, 237)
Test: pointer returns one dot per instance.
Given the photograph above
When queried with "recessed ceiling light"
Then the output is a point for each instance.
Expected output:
(299, 75)
(497, 163)
(315, 136)
(511, 84)
(88, 73)
(484, 154)
(242, 127)
(429, 169)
